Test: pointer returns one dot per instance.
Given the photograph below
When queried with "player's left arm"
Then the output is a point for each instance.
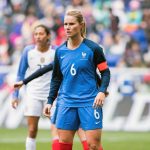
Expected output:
(36, 74)
(101, 64)
(98, 79)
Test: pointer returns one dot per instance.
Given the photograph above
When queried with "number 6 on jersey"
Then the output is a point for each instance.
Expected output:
(73, 70)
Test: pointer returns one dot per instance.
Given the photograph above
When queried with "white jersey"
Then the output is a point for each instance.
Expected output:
(32, 60)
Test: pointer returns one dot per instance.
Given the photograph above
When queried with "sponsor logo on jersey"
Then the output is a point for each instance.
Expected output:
(97, 122)
(62, 57)
(83, 54)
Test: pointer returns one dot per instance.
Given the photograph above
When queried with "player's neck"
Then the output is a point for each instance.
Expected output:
(43, 48)
(74, 42)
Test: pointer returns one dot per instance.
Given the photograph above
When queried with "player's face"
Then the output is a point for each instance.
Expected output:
(40, 36)
(72, 26)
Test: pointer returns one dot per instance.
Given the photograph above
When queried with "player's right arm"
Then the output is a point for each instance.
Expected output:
(54, 86)
(23, 65)
(56, 80)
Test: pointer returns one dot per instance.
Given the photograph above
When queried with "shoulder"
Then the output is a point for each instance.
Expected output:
(92, 45)
(54, 47)
(61, 47)
(28, 48)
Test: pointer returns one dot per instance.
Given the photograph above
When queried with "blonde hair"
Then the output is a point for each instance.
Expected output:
(78, 15)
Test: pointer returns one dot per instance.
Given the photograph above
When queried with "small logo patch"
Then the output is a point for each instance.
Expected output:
(83, 54)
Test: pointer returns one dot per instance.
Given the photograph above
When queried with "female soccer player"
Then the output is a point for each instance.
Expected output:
(34, 57)
(55, 141)
(79, 100)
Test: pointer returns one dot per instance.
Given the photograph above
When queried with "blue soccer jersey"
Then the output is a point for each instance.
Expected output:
(74, 75)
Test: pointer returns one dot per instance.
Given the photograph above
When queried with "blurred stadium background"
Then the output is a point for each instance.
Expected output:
(122, 27)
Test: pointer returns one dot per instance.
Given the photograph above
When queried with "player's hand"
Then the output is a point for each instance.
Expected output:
(18, 85)
(15, 103)
(47, 110)
(99, 100)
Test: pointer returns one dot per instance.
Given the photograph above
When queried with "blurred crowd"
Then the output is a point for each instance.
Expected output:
(122, 27)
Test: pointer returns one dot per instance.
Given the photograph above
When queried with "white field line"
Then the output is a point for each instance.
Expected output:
(22, 140)
(44, 140)
(125, 138)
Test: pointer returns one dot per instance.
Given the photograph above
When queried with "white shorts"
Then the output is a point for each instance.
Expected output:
(34, 107)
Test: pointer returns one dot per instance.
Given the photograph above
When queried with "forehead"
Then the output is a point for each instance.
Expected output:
(39, 29)
(69, 18)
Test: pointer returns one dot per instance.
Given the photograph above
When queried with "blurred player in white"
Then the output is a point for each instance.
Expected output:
(34, 57)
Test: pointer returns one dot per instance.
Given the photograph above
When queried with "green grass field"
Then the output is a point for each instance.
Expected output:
(14, 140)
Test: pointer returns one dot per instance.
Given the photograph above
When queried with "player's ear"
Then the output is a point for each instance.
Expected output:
(48, 38)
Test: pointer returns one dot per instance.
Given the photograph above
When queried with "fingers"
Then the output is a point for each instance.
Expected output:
(99, 100)
(14, 107)
(46, 111)
(98, 103)
(14, 104)
(18, 85)
(46, 115)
